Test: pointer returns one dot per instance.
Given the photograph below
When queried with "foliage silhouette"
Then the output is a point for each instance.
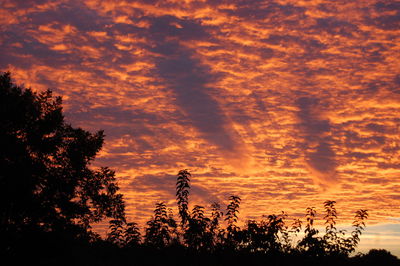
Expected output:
(47, 184)
(311, 244)
(160, 227)
(198, 235)
(217, 233)
(182, 195)
(377, 257)
(132, 235)
(116, 236)
(232, 235)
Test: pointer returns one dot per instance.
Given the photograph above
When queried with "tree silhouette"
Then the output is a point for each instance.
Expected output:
(182, 195)
(132, 235)
(123, 234)
(359, 225)
(311, 243)
(158, 231)
(47, 185)
(231, 218)
(198, 235)
(276, 232)
(232, 211)
(216, 232)
(268, 235)
(116, 234)
(331, 238)
(377, 257)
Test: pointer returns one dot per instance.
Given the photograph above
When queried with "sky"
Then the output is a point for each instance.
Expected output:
(285, 103)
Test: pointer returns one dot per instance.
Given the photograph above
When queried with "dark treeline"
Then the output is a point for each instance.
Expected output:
(273, 234)
(51, 197)
(217, 239)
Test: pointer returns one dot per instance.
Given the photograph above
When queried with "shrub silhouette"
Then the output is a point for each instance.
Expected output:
(271, 236)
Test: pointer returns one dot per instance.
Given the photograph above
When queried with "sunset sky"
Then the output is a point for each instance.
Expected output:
(285, 103)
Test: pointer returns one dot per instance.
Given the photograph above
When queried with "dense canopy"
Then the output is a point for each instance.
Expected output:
(46, 181)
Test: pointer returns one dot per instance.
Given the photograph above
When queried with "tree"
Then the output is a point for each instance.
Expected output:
(311, 242)
(45, 175)
(231, 219)
(268, 235)
(132, 235)
(198, 235)
(116, 234)
(216, 231)
(123, 234)
(182, 195)
(159, 228)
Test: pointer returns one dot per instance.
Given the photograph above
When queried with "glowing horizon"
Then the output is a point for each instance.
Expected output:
(284, 103)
